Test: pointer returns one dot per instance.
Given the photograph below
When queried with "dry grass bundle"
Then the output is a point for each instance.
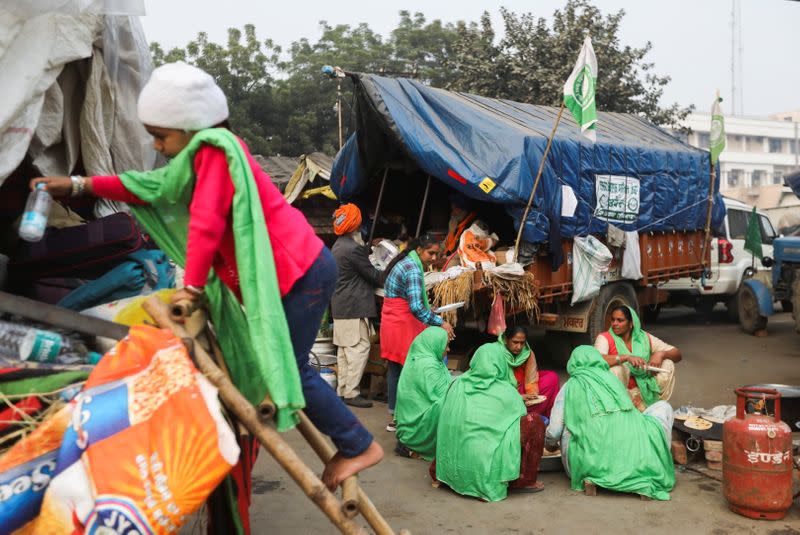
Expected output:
(453, 291)
(27, 423)
(521, 294)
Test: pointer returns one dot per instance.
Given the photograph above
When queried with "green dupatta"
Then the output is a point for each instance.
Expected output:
(514, 361)
(612, 445)
(640, 347)
(257, 348)
(420, 392)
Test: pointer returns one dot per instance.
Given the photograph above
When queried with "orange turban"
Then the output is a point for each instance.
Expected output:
(346, 219)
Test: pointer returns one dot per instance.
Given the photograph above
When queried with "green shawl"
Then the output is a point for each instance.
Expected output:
(420, 392)
(257, 348)
(478, 445)
(514, 361)
(415, 257)
(640, 347)
(613, 445)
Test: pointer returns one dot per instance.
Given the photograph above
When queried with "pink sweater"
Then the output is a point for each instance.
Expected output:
(210, 240)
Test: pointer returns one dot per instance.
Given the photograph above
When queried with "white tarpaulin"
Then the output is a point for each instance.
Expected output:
(71, 74)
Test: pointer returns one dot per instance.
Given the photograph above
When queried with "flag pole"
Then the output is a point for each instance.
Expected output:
(536, 183)
(707, 236)
(711, 184)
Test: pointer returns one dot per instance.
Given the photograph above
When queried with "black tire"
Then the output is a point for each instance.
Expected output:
(650, 313)
(611, 295)
(749, 317)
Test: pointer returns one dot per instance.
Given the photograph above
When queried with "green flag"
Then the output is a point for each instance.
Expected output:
(717, 136)
(579, 91)
(752, 240)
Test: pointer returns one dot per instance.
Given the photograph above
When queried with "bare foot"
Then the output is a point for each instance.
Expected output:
(340, 468)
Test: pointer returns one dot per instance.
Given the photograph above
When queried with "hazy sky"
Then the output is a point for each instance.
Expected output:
(691, 38)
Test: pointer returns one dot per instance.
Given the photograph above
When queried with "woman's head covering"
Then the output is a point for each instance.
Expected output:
(588, 368)
(346, 219)
(512, 359)
(182, 97)
(430, 342)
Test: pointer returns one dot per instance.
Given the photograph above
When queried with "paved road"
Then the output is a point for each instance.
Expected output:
(717, 358)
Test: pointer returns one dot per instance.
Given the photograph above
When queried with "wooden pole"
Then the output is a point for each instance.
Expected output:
(424, 205)
(339, 110)
(187, 312)
(536, 185)
(354, 499)
(378, 207)
(707, 235)
(249, 418)
(324, 451)
(60, 317)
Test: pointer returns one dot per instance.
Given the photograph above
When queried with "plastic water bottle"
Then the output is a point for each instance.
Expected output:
(30, 343)
(37, 209)
(11, 334)
(46, 346)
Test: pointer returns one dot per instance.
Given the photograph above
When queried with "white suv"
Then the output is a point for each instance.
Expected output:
(729, 264)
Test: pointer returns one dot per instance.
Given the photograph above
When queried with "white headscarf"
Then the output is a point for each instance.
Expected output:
(182, 97)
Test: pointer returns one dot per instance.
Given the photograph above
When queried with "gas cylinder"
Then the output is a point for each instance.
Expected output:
(757, 457)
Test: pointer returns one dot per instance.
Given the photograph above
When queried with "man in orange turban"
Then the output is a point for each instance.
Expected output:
(346, 219)
(352, 304)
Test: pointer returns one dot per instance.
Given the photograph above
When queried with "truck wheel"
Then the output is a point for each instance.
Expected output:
(796, 302)
(750, 319)
(611, 296)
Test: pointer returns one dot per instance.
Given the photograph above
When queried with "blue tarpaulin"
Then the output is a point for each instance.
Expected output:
(489, 149)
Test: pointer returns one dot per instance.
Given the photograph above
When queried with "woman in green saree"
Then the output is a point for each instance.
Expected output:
(420, 393)
(604, 440)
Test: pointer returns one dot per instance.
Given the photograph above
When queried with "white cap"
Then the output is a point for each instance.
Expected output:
(183, 97)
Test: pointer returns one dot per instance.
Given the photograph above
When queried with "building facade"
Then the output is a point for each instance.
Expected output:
(758, 153)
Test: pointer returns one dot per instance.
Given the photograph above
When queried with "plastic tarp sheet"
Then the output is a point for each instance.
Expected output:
(636, 176)
(72, 70)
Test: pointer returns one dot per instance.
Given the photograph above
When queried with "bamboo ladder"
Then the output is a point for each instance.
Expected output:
(190, 325)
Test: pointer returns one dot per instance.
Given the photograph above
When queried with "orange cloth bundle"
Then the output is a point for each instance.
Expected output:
(144, 447)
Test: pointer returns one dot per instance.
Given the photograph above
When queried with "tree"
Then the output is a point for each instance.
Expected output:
(476, 64)
(311, 124)
(282, 104)
(534, 58)
(243, 69)
(421, 48)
